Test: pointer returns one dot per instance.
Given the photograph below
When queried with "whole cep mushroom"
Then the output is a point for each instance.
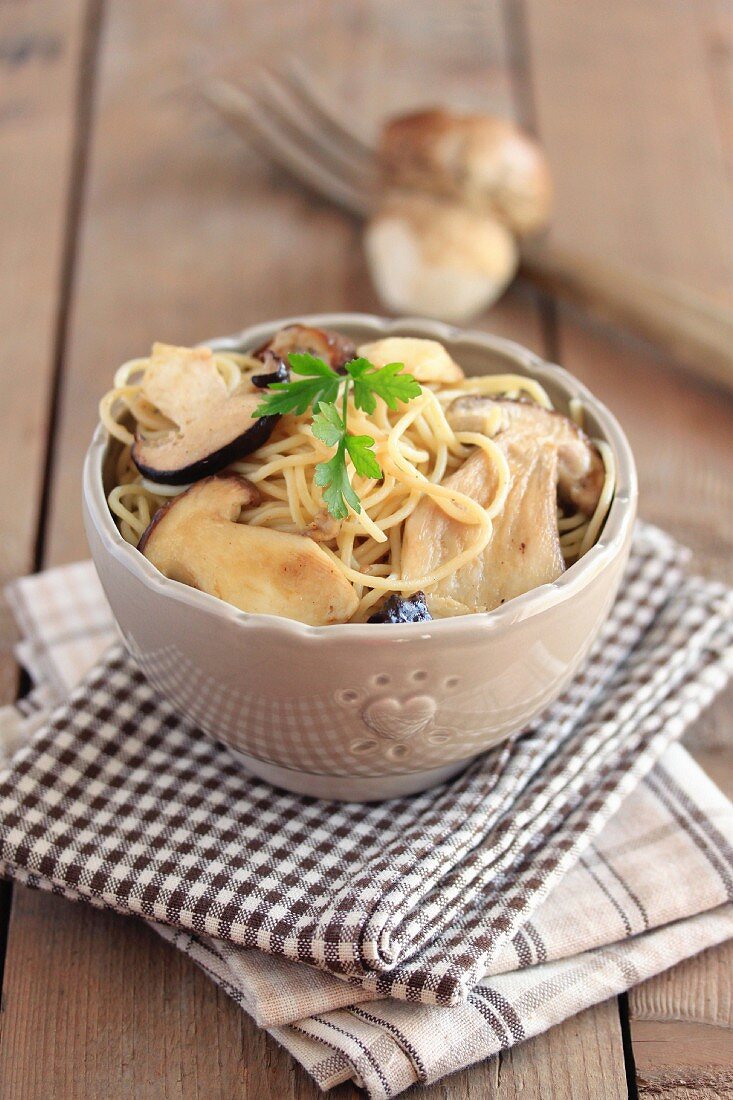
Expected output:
(459, 188)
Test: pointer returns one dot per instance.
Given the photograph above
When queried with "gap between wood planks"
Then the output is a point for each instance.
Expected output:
(525, 106)
(83, 112)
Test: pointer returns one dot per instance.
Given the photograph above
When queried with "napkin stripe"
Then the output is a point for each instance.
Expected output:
(361, 1045)
(627, 889)
(409, 1048)
(693, 812)
(539, 946)
(607, 893)
(522, 947)
(701, 831)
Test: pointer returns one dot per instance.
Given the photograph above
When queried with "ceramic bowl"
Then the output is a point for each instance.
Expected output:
(366, 711)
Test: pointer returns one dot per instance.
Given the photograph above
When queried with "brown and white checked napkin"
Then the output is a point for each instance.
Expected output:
(443, 899)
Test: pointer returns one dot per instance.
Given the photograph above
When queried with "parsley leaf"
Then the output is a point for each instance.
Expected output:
(319, 388)
(328, 425)
(392, 385)
(310, 365)
(362, 455)
(333, 478)
(298, 397)
(319, 384)
(387, 382)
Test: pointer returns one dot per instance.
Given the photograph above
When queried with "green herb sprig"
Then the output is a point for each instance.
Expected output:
(319, 387)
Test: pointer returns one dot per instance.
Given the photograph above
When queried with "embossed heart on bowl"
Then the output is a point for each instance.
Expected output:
(399, 719)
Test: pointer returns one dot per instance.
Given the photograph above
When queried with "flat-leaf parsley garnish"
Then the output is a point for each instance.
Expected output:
(319, 388)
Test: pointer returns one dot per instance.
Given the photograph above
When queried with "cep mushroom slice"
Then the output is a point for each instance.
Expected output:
(524, 550)
(212, 426)
(580, 469)
(324, 343)
(196, 539)
(542, 449)
(426, 360)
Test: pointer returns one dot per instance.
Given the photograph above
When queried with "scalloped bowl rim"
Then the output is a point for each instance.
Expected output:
(612, 539)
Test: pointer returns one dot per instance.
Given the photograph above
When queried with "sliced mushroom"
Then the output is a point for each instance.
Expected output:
(524, 552)
(326, 344)
(196, 539)
(322, 528)
(402, 609)
(580, 469)
(425, 360)
(182, 383)
(279, 372)
(212, 426)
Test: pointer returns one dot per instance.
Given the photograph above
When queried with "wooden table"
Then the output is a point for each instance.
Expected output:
(129, 214)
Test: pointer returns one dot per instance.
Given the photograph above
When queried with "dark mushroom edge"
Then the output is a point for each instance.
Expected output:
(170, 461)
(280, 374)
(326, 344)
(206, 446)
(403, 609)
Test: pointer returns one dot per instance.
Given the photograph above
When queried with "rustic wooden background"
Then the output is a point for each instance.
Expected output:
(128, 213)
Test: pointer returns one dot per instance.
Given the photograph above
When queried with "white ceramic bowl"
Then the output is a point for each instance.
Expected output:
(366, 711)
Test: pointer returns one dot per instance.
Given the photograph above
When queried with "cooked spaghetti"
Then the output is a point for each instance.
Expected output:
(417, 450)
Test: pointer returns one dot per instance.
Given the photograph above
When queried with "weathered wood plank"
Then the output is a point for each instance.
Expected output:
(681, 438)
(699, 990)
(624, 105)
(40, 50)
(580, 1058)
(683, 1061)
(716, 23)
(40, 61)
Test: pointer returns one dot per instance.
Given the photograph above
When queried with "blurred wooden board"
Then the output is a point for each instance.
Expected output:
(185, 234)
(630, 102)
(40, 65)
(716, 26)
(41, 61)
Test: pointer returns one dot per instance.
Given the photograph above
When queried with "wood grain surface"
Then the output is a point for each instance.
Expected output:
(635, 135)
(132, 215)
(41, 60)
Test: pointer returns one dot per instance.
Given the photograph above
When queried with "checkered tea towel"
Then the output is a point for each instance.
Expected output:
(623, 885)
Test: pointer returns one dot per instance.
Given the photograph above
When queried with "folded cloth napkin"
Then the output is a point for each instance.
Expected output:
(122, 803)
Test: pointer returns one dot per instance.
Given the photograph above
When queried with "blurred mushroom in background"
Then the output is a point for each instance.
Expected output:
(459, 191)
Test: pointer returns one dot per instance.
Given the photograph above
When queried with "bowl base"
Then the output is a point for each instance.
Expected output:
(347, 788)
